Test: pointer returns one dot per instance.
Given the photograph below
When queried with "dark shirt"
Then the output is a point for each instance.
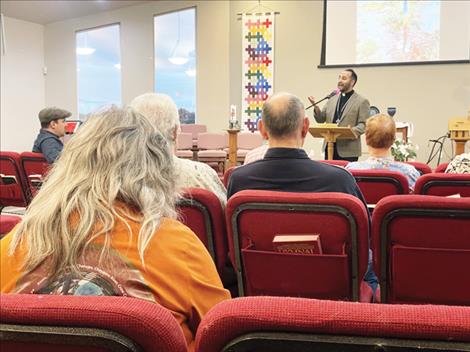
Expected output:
(291, 170)
(48, 144)
(341, 104)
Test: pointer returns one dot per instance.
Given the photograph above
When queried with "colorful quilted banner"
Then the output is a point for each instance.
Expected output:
(258, 67)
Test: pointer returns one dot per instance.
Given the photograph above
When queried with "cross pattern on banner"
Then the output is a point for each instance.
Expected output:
(258, 57)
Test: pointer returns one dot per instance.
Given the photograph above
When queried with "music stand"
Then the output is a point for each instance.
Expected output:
(331, 132)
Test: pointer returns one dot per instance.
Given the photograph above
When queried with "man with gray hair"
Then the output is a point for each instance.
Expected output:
(52, 129)
(286, 166)
(163, 113)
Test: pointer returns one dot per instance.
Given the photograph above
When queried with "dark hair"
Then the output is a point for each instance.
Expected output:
(46, 124)
(353, 75)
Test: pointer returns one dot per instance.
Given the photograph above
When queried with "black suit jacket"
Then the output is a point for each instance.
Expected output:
(291, 170)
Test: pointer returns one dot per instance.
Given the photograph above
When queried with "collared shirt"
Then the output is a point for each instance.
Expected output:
(291, 170)
(341, 105)
(387, 163)
(48, 144)
(199, 175)
(256, 154)
(259, 152)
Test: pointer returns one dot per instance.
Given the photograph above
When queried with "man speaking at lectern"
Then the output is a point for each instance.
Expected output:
(346, 109)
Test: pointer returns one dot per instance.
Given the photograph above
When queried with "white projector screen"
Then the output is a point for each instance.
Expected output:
(366, 32)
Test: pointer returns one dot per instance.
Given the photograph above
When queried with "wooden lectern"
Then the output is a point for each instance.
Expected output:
(331, 132)
(459, 129)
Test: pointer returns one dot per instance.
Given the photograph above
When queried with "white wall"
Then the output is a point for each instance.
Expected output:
(426, 95)
(137, 55)
(22, 84)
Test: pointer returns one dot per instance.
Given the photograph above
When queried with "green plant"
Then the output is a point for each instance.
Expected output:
(402, 151)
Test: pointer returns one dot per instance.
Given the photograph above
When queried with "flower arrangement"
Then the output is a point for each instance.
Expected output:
(402, 151)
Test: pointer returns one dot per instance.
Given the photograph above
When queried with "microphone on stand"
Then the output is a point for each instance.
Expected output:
(331, 95)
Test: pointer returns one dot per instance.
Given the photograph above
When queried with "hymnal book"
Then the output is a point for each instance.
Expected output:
(298, 244)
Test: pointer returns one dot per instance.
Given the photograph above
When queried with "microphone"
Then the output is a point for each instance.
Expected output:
(331, 95)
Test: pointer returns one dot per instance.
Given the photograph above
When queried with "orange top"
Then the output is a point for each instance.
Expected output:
(179, 273)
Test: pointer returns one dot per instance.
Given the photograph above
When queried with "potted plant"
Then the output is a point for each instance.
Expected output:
(402, 151)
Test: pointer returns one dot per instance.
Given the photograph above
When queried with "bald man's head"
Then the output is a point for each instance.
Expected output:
(283, 115)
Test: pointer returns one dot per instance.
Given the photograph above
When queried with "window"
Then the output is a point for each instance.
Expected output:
(175, 60)
(98, 68)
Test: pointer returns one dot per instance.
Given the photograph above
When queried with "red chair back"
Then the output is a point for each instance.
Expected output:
(35, 168)
(255, 217)
(441, 167)
(202, 212)
(341, 163)
(259, 324)
(227, 175)
(13, 189)
(7, 223)
(421, 248)
(71, 126)
(421, 167)
(87, 323)
(377, 184)
(441, 184)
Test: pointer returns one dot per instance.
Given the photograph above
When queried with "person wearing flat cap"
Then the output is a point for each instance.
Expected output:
(52, 129)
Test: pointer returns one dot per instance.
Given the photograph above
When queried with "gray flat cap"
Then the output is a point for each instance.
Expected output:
(50, 114)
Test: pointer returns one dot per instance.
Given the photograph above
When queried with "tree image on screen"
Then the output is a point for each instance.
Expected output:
(397, 31)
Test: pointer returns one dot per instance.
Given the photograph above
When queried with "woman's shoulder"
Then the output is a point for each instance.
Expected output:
(173, 233)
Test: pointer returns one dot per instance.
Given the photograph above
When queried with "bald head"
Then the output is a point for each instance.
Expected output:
(283, 115)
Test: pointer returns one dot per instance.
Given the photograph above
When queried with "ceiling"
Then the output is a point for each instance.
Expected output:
(44, 12)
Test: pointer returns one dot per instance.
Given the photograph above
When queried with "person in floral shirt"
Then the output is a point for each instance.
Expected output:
(459, 165)
(380, 136)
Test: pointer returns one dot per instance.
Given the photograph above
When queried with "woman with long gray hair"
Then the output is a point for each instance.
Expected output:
(104, 223)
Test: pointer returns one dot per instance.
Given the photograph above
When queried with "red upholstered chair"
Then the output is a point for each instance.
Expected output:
(421, 167)
(13, 189)
(184, 145)
(201, 211)
(421, 248)
(441, 184)
(71, 323)
(441, 167)
(260, 324)
(35, 168)
(227, 174)
(377, 184)
(7, 223)
(341, 163)
(255, 217)
(72, 126)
